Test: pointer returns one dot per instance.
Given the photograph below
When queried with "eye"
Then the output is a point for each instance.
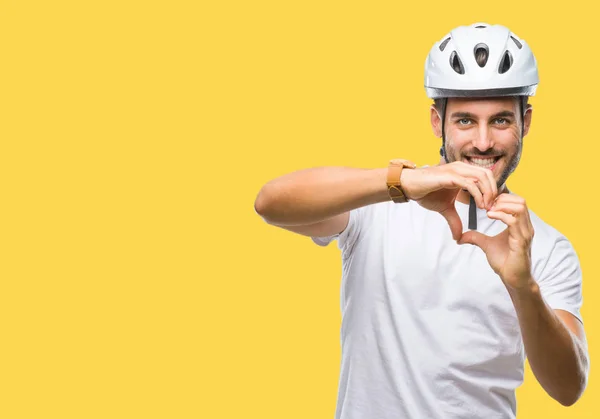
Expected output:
(464, 121)
(502, 121)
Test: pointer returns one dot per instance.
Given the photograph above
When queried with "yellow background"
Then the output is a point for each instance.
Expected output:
(137, 280)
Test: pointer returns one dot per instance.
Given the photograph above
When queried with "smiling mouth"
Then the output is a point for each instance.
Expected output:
(485, 162)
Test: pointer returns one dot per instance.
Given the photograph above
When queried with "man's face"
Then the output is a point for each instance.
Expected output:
(485, 132)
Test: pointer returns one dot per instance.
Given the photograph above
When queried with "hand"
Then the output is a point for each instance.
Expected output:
(508, 253)
(435, 188)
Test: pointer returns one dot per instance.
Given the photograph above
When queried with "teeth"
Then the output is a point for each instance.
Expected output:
(487, 163)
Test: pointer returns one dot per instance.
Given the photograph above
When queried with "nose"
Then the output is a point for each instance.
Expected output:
(483, 140)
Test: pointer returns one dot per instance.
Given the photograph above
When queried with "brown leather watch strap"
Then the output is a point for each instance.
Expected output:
(393, 179)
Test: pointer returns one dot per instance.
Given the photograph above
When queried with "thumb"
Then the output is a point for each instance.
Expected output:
(453, 221)
(476, 238)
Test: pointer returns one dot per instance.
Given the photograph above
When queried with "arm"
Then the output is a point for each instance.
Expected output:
(554, 340)
(555, 344)
(316, 201)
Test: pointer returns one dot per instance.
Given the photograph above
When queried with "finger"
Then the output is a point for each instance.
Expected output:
(490, 177)
(493, 182)
(515, 199)
(508, 219)
(508, 197)
(519, 211)
(454, 222)
(483, 183)
(471, 186)
(456, 181)
(510, 208)
(476, 238)
(505, 217)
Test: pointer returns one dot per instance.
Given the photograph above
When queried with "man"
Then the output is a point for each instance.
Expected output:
(437, 318)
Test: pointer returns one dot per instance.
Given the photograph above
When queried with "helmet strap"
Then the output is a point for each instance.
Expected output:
(522, 108)
(443, 116)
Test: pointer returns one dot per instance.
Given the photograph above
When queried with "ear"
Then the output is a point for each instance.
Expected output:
(527, 119)
(436, 122)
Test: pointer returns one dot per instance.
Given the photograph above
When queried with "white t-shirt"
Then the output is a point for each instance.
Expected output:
(428, 328)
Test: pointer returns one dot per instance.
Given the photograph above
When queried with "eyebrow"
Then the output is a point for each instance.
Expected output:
(462, 115)
(504, 113)
(470, 115)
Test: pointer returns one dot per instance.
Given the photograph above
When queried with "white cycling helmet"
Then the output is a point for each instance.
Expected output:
(451, 69)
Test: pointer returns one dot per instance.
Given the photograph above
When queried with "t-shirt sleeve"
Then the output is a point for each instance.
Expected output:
(347, 238)
(561, 279)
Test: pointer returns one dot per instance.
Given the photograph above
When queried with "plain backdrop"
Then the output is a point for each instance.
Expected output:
(136, 279)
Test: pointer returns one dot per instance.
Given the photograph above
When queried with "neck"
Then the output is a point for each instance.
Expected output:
(464, 196)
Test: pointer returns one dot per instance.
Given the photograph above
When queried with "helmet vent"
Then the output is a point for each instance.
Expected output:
(456, 63)
(443, 44)
(505, 63)
(481, 54)
(480, 27)
(519, 45)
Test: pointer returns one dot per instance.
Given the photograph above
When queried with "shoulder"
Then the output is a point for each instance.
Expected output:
(546, 236)
(556, 267)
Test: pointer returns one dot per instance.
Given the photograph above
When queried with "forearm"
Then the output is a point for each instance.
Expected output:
(556, 356)
(313, 195)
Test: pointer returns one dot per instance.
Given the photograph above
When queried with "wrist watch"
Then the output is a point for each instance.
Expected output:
(393, 179)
